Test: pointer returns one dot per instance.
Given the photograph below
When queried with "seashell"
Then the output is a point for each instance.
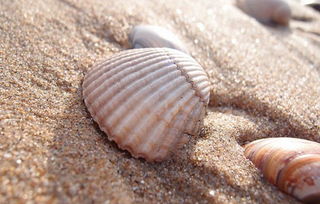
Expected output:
(312, 3)
(292, 164)
(148, 36)
(148, 100)
(267, 11)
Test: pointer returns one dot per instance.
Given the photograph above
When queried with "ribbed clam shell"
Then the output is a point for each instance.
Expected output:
(148, 100)
(291, 164)
(266, 11)
(149, 36)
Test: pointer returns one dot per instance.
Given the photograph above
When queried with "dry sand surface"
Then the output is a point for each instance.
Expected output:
(265, 83)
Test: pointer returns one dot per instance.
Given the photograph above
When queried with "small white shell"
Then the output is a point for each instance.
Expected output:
(266, 11)
(309, 2)
(148, 100)
(148, 36)
(312, 3)
(292, 164)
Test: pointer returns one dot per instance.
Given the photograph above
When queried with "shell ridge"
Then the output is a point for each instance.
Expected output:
(141, 92)
(102, 66)
(201, 114)
(160, 143)
(122, 93)
(146, 129)
(187, 77)
(160, 106)
(120, 77)
(189, 65)
(107, 69)
(180, 111)
(180, 121)
(191, 128)
(128, 56)
(116, 70)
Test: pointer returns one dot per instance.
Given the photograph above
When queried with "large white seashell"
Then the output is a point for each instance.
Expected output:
(148, 36)
(291, 164)
(266, 11)
(148, 100)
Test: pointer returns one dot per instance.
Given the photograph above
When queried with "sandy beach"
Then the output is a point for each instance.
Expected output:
(265, 83)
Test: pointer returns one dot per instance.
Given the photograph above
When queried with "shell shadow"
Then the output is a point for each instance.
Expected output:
(282, 124)
(279, 32)
(87, 167)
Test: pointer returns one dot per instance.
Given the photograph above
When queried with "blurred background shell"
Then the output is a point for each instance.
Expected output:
(292, 164)
(150, 36)
(312, 3)
(267, 11)
(148, 100)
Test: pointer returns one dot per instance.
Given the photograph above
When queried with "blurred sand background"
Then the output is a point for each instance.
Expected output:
(265, 83)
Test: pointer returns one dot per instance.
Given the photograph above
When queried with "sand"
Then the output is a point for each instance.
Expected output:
(265, 83)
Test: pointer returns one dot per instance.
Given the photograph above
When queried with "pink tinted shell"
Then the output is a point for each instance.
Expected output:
(148, 100)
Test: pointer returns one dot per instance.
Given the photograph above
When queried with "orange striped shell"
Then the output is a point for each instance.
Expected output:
(148, 100)
(291, 164)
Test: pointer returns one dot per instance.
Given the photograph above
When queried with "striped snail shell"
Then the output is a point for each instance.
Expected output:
(266, 11)
(148, 100)
(149, 36)
(292, 164)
